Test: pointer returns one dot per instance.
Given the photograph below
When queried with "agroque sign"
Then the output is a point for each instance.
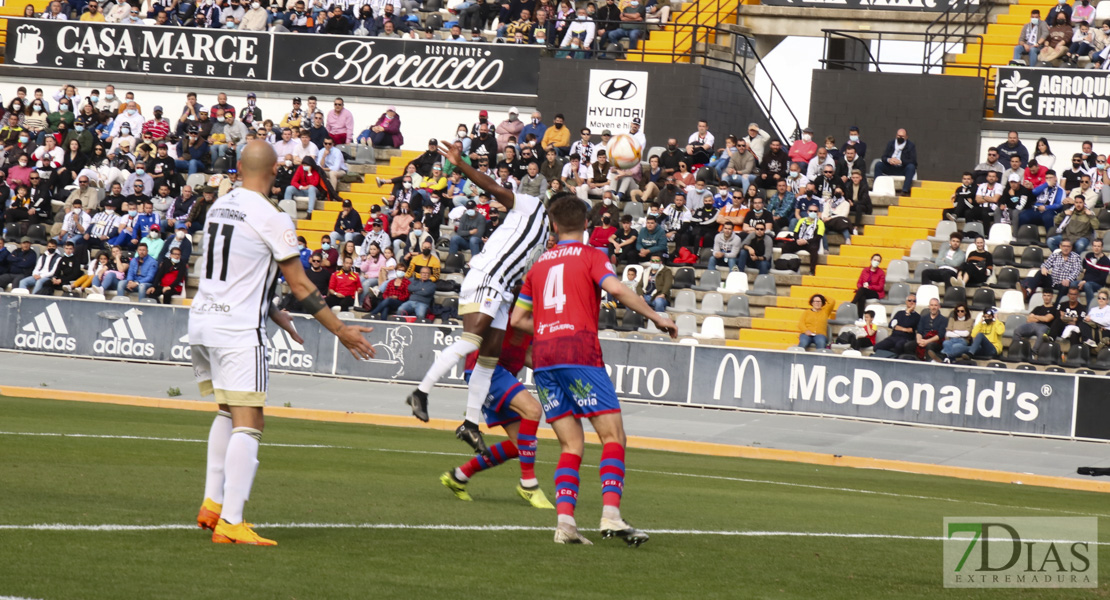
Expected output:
(256, 56)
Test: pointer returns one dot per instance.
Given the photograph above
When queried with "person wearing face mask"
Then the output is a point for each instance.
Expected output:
(426, 258)
(141, 176)
(69, 269)
(155, 245)
(129, 118)
(170, 277)
(534, 126)
(306, 180)
(808, 233)
(899, 158)
(1060, 33)
(394, 294)
(804, 149)
(509, 128)
(1062, 7)
(557, 137)
(64, 114)
(386, 131)
(255, 18)
(606, 208)
(471, 229)
(19, 171)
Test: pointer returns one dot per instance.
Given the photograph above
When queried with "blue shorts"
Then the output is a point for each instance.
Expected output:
(502, 389)
(575, 390)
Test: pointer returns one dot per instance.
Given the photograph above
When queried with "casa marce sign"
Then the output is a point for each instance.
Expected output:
(360, 62)
(981, 399)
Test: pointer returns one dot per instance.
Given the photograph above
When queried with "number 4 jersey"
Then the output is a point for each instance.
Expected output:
(245, 236)
(563, 291)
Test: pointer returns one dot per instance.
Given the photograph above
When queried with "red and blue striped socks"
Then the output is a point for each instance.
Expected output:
(566, 485)
(499, 453)
(612, 477)
(526, 445)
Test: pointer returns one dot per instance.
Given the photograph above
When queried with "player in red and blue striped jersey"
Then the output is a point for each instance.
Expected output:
(509, 406)
(560, 302)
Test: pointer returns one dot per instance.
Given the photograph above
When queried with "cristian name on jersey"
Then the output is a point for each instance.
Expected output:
(563, 291)
(245, 236)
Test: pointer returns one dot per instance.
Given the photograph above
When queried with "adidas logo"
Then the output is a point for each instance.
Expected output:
(286, 352)
(47, 331)
(181, 349)
(125, 337)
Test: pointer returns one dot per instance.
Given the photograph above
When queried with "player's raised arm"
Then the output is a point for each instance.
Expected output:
(454, 156)
(309, 297)
(632, 300)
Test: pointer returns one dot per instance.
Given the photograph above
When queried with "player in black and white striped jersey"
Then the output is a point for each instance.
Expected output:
(486, 297)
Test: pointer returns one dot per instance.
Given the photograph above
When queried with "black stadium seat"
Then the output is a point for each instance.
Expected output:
(454, 263)
(607, 319)
(984, 299)
(954, 296)
(1031, 258)
(1017, 352)
(1006, 278)
(683, 278)
(1003, 255)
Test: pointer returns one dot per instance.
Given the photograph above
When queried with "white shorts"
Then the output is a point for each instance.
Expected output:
(481, 294)
(237, 376)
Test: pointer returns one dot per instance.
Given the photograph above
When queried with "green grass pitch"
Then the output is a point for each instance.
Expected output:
(382, 475)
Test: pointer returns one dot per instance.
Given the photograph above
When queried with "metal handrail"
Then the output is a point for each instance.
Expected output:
(701, 36)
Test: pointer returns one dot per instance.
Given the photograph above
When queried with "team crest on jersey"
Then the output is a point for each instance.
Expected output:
(290, 237)
(583, 393)
(487, 303)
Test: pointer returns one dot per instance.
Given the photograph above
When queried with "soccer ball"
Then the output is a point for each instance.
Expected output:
(623, 151)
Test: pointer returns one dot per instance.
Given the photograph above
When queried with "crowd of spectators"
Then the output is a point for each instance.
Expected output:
(1064, 37)
(562, 29)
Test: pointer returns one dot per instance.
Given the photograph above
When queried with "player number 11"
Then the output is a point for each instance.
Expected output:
(553, 296)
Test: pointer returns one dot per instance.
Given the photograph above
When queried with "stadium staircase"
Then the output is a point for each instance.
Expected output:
(388, 164)
(694, 28)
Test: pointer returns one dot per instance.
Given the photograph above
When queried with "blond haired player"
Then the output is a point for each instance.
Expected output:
(247, 241)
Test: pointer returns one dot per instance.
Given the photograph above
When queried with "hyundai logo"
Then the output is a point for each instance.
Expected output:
(617, 89)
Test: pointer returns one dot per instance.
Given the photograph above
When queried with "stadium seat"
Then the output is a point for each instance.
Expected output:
(737, 307)
(290, 208)
(684, 301)
(945, 228)
(955, 296)
(764, 286)
(1102, 362)
(1012, 323)
(997, 365)
(37, 233)
(736, 283)
(454, 263)
(608, 333)
(1017, 352)
(683, 278)
(712, 328)
(925, 293)
(687, 325)
(649, 326)
(710, 280)
(632, 321)
(1106, 239)
(1031, 258)
(1006, 278)
(689, 341)
(196, 179)
(1028, 235)
(148, 300)
(95, 297)
(786, 256)
(1012, 303)
(921, 250)
(1026, 367)
(973, 230)
(348, 316)
(633, 336)
(122, 298)
(1003, 255)
(897, 271)
(637, 269)
(703, 259)
(880, 319)
(1034, 301)
(853, 353)
(1079, 355)
(711, 304)
(984, 298)
(883, 186)
(1001, 233)
(18, 291)
(846, 314)
(1104, 214)
(1054, 369)
(1046, 352)
(1085, 371)
(607, 319)
(897, 295)
(634, 210)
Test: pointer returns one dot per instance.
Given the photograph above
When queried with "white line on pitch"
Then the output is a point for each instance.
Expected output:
(486, 528)
(650, 472)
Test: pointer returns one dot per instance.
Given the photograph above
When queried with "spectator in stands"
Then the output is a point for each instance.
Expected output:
(813, 326)
(17, 264)
(1017, 197)
(181, 240)
(622, 244)
(348, 223)
(557, 137)
(756, 249)
(193, 154)
(782, 205)
(1073, 176)
(903, 330)
(1049, 199)
(578, 37)
(948, 263)
(726, 247)
(1096, 266)
(808, 233)
(140, 274)
(773, 167)
(306, 180)
(373, 263)
(471, 230)
(957, 333)
(341, 123)
(394, 294)
(603, 232)
(803, 150)
(699, 147)
(1060, 34)
(343, 285)
(865, 331)
(740, 168)
(65, 272)
(1033, 36)
(1013, 147)
(986, 339)
(931, 333)
(76, 223)
(899, 158)
(992, 164)
(170, 278)
(197, 215)
(1095, 326)
(632, 15)
(43, 270)
(1039, 321)
(1015, 170)
(1059, 272)
(871, 284)
(835, 216)
(651, 241)
(426, 257)
(421, 295)
(1043, 154)
(655, 284)
(1076, 224)
(978, 266)
(386, 131)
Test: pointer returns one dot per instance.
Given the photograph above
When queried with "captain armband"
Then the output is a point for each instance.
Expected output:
(313, 302)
